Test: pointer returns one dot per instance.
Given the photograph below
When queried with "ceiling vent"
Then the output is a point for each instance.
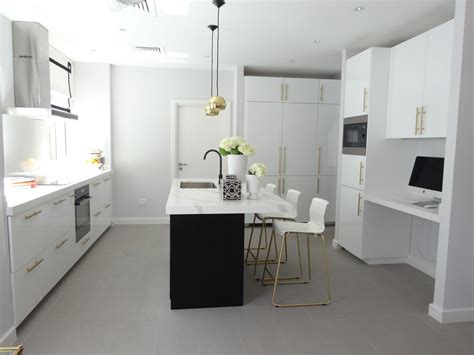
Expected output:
(157, 50)
(139, 4)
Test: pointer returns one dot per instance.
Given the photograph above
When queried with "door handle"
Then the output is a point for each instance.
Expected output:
(417, 129)
(319, 160)
(61, 243)
(358, 204)
(361, 166)
(35, 213)
(422, 114)
(182, 164)
(279, 186)
(286, 92)
(364, 105)
(317, 186)
(35, 265)
(321, 93)
(59, 201)
(283, 186)
(282, 95)
(279, 159)
(284, 160)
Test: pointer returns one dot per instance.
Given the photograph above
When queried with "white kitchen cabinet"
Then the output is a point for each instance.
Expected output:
(326, 189)
(329, 91)
(264, 89)
(304, 91)
(263, 130)
(307, 186)
(327, 139)
(300, 124)
(353, 170)
(351, 211)
(420, 72)
(101, 207)
(268, 89)
(357, 90)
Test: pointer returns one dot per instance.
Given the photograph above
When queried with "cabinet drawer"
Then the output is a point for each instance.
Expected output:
(101, 193)
(31, 232)
(353, 171)
(34, 280)
(351, 209)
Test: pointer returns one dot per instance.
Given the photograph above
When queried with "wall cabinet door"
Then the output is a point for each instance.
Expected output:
(351, 220)
(326, 189)
(329, 91)
(301, 90)
(299, 139)
(407, 71)
(353, 171)
(437, 80)
(327, 139)
(307, 186)
(264, 89)
(263, 131)
(356, 91)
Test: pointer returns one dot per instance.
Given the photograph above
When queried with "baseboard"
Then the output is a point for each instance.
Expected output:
(379, 261)
(451, 315)
(135, 221)
(336, 245)
(9, 338)
(423, 265)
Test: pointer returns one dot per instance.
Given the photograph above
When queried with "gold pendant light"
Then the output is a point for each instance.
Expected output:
(211, 111)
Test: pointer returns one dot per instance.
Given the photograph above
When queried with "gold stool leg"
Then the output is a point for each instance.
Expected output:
(250, 239)
(326, 270)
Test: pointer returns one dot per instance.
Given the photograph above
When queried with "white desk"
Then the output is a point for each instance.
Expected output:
(403, 204)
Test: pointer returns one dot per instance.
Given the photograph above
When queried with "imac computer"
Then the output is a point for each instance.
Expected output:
(427, 176)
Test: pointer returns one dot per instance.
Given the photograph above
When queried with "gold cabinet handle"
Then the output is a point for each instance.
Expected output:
(284, 160)
(364, 105)
(361, 166)
(108, 205)
(319, 160)
(34, 266)
(279, 185)
(317, 186)
(61, 243)
(286, 92)
(280, 148)
(35, 213)
(417, 129)
(283, 185)
(59, 201)
(282, 95)
(84, 242)
(108, 179)
(96, 184)
(321, 93)
(358, 204)
(422, 116)
(98, 214)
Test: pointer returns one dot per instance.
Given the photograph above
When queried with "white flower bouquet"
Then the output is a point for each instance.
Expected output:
(235, 146)
(258, 169)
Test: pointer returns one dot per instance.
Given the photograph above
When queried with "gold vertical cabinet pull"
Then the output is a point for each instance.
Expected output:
(59, 201)
(286, 92)
(284, 160)
(35, 213)
(61, 243)
(358, 204)
(321, 93)
(422, 116)
(317, 186)
(96, 184)
(34, 266)
(282, 95)
(108, 205)
(283, 186)
(98, 214)
(106, 179)
(85, 241)
(318, 165)
(279, 185)
(361, 179)
(417, 121)
(280, 148)
(364, 105)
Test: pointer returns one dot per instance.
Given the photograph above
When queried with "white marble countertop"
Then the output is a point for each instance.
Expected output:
(207, 201)
(21, 200)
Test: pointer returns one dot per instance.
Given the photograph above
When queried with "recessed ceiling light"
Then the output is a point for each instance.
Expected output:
(359, 9)
(291, 61)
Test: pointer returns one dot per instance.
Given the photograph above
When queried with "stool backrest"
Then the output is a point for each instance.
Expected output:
(292, 197)
(270, 188)
(317, 211)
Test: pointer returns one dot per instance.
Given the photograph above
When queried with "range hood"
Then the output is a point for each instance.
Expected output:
(31, 73)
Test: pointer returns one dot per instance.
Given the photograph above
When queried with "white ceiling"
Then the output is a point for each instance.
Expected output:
(264, 36)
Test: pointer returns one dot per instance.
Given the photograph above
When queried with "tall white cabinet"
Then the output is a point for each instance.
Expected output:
(293, 124)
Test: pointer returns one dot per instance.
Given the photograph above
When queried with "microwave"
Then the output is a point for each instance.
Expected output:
(354, 139)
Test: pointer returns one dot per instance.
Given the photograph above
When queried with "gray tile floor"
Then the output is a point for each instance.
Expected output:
(115, 301)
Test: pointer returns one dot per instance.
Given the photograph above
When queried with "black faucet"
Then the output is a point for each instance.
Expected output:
(220, 162)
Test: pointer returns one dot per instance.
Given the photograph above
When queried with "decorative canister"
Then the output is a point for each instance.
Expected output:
(231, 188)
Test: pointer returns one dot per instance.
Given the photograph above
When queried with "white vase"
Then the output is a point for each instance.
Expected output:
(253, 186)
(237, 165)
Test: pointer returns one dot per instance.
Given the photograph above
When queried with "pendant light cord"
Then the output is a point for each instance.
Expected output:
(212, 62)
(217, 65)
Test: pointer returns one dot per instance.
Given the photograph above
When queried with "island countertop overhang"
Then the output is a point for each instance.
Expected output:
(207, 201)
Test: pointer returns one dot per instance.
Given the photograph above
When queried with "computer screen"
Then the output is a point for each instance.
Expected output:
(428, 173)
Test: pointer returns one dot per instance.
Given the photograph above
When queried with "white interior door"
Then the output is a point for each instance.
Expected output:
(196, 133)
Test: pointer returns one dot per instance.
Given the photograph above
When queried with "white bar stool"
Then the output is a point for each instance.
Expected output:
(315, 227)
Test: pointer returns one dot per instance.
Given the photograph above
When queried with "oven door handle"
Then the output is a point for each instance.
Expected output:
(83, 200)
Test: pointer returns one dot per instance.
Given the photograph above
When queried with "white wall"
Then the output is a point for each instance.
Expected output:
(454, 287)
(7, 330)
(141, 145)
(92, 102)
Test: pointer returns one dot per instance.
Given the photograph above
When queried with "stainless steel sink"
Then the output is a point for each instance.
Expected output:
(197, 185)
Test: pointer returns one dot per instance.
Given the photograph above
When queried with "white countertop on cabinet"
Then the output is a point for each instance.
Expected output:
(208, 201)
(21, 200)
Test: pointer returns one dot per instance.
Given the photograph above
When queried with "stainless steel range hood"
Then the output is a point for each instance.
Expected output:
(31, 75)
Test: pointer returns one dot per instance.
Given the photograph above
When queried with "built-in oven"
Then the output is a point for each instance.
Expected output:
(354, 139)
(83, 212)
